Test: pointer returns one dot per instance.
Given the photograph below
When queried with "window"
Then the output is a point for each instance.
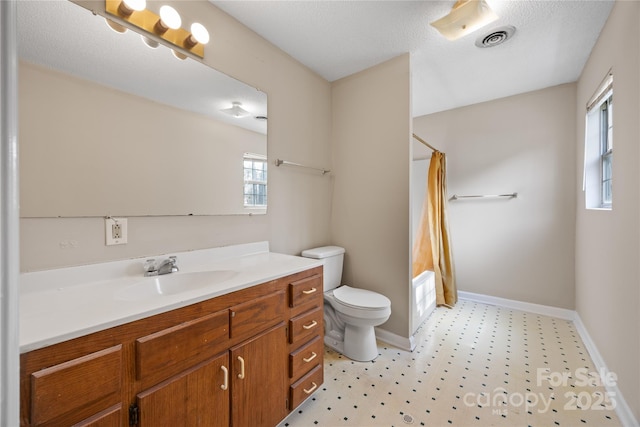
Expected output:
(598, 167)
(606, 149)
(255, 180)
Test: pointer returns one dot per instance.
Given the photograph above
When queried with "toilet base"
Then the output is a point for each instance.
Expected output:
(360, 343)
(334, 343)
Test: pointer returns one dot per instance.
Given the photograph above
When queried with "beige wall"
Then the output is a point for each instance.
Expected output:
(371, 173)
(299, 130)
(521, 248)
(608, 242)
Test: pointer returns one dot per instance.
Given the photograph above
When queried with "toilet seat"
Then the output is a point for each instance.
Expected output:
(360, 298)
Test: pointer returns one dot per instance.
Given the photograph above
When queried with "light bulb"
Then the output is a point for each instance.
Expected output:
(199, 34)
(127, 7)
(170, 17)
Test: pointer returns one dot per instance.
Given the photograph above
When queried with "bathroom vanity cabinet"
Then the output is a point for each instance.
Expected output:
(246, 358)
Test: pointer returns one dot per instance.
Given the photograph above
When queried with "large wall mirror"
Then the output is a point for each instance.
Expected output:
(111, 127)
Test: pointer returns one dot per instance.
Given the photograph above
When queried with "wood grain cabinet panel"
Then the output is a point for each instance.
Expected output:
(196, 397)
(110, 417)
(259, 390)
(306, 386)
(306, 325)
(305, 290)
(63, 391)
(304, 358)
(248, 319)
(171, 351)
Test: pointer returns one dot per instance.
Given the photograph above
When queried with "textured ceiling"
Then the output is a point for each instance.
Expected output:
(552, 42)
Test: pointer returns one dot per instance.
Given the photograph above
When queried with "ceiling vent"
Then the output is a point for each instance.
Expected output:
(496, 37)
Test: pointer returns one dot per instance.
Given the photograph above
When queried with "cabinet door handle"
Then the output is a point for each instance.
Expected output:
(315, 386)
(310, 325)
(226, 378)
(310, 358)
(309, 291)
(241, 374)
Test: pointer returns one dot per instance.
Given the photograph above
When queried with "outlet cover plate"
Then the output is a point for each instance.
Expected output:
(115, 231)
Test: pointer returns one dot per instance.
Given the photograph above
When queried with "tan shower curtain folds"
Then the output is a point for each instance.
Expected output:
(432, 248)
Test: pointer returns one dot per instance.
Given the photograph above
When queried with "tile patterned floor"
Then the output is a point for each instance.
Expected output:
(474, 365)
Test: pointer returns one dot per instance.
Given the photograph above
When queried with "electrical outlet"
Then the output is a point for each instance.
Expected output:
(115, 231)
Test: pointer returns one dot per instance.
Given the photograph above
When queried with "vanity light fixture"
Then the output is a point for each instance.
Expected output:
(465, 17)
(166, 26)
(236, 110)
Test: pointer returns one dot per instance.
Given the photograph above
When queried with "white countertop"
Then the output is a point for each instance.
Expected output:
(58, 305)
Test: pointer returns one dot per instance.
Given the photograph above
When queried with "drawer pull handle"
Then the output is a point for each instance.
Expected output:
(310, 325)
(311, 390)
(226, 378)
(310, 358)
(309, 291)
(241, 374)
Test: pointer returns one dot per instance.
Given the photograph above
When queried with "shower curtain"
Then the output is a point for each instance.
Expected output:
(432, 248)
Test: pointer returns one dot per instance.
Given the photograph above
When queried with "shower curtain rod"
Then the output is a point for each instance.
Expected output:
(425, 142)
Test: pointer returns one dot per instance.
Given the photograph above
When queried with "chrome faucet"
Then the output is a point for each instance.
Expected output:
(169, 265)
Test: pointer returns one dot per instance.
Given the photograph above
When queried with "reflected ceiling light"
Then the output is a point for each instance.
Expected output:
(169, 19)
(149, 42)
(465, 17)
(236, 110)
(115, 26)
(199, 34)
(127, 7)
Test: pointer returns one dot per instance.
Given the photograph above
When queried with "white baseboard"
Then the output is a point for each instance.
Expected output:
(622, 408)
(403, 343)
(561, 313)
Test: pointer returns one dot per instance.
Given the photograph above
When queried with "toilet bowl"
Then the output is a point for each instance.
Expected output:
(350, 314)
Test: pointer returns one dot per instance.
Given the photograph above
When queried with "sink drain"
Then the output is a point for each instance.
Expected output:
(408, 419)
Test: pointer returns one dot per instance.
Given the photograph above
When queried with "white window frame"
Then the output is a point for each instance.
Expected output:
(606, 150)
(598, 154)
(254, 181)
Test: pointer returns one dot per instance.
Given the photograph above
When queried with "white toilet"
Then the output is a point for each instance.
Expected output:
(349, 313)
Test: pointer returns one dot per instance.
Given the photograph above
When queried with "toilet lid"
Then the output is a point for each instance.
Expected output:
(360, 298)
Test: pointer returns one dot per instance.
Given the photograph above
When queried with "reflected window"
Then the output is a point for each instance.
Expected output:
(255, 180)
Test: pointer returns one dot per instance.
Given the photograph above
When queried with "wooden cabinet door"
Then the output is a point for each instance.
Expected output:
(196, 397)
(259, 380)
(111, 417)
(76, 389)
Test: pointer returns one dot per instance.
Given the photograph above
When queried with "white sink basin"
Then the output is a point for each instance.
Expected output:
(172, 284)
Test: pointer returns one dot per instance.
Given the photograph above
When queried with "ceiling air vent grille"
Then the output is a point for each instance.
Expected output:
(496, 37)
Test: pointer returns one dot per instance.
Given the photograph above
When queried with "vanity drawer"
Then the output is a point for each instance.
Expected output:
(305, 387)
(303, 359)
(258, 315)
(306, 325)
(170, 351)
(305, 290)
(91, 381)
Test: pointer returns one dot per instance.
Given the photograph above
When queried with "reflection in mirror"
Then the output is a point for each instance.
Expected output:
(108, 126)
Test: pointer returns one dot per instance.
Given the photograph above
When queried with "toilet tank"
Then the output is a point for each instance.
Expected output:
(332, 258)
